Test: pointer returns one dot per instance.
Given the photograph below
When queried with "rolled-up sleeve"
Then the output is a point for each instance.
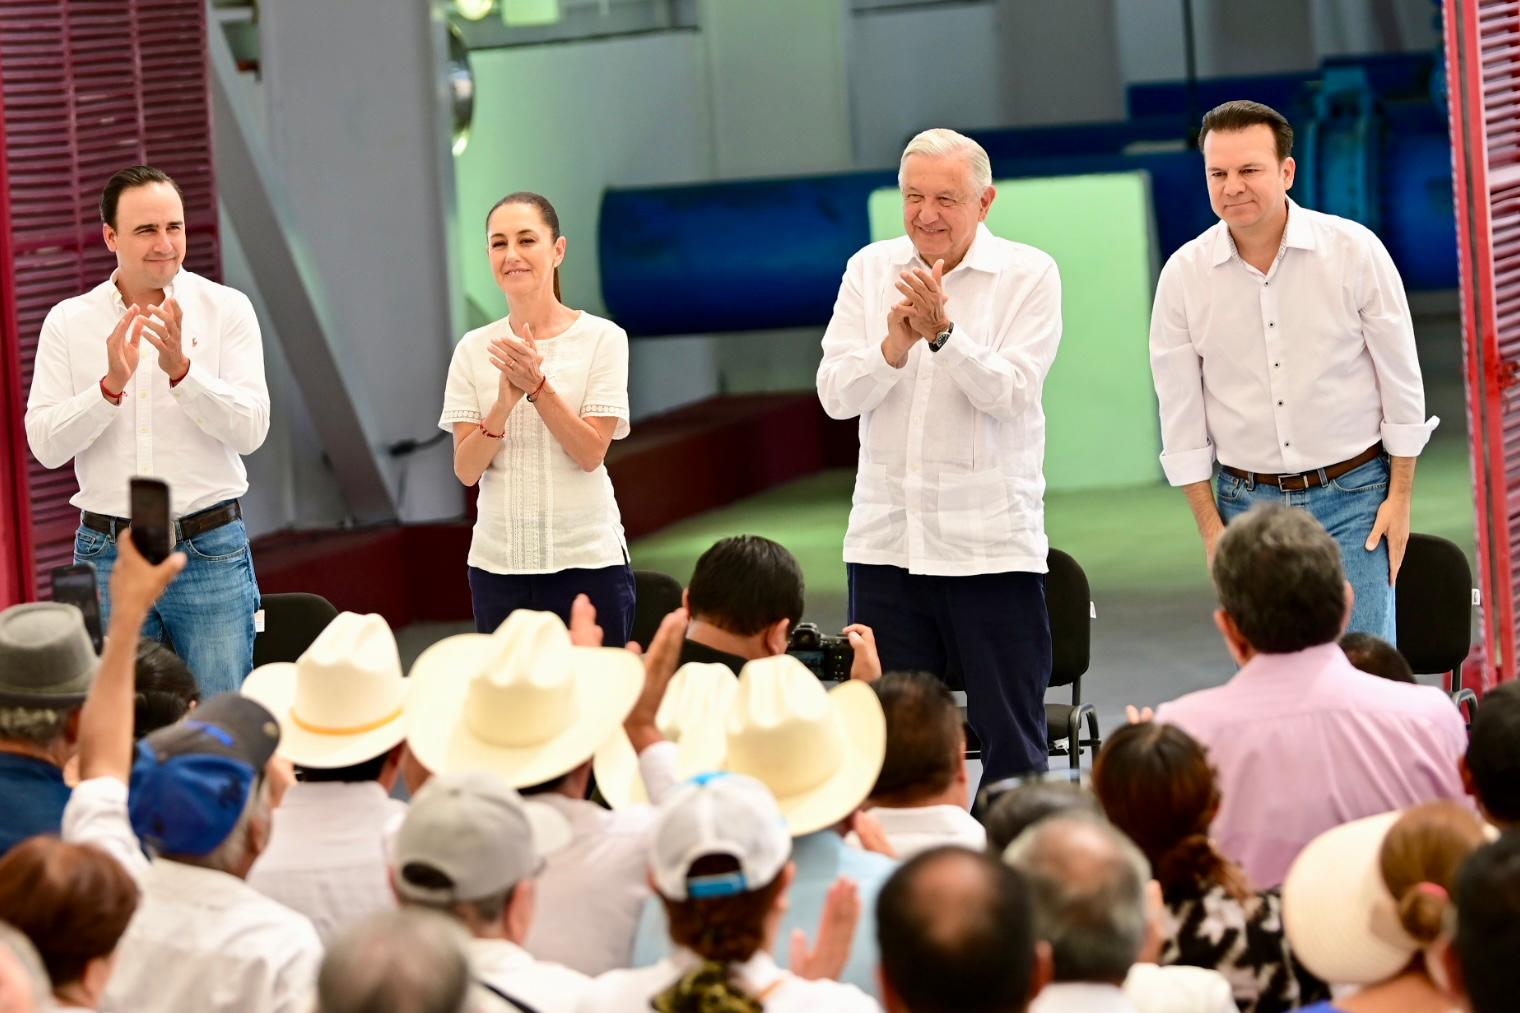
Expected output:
(1187, 453)
(1004, 378)
(1389, 334)
(854, 376)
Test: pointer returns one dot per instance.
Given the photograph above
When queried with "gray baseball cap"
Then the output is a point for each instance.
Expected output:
(480, 834)
(46, 658)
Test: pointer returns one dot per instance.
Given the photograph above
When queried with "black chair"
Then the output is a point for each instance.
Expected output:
(1433, 612)
(291, 622)
(659, 594)
(1069, 600)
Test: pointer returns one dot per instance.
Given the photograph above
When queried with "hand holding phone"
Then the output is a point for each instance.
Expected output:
(76, 585)
(152, 530)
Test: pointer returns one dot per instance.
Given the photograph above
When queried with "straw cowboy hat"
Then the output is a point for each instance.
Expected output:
(817, 751)
(343, 700)
(698, 696)
(522, 703)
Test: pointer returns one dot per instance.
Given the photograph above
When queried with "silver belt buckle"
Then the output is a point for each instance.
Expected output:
(1302, 476)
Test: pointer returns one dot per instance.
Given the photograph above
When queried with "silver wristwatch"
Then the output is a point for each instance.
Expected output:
(938, 341)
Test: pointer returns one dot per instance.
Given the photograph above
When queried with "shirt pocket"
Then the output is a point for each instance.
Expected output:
(975, 508)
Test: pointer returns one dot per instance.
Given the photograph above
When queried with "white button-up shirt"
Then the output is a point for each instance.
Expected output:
(546, 987)
(952, 445)
(779, 991)
(200, 939)
(538, 511)
(911, 829)
(190, 436)
(1289, 371)
(326, 854)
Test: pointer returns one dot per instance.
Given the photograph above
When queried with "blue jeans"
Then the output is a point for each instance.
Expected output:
(206, 615)
(1347, 507)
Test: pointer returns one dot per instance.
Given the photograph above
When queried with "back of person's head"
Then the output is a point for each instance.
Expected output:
(926, 743)
(1279, 577)
(1156, 784)
(1488, 925)
(746, 584)
(1020, 808)
(47, 663)
(407, 961)
(1493, 754)
(356, 773)
(73, 901)
(23, 981)
(956, 935)
(1087, 881)
(1424, 849)
(166, 690)
(1376, 656)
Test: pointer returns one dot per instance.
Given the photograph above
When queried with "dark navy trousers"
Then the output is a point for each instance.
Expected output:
(991, 629)
(497, 595)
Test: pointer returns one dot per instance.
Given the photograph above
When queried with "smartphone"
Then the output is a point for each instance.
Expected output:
(76, 585)
(152, 530)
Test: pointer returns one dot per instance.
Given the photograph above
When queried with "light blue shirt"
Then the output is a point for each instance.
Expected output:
(821, 858)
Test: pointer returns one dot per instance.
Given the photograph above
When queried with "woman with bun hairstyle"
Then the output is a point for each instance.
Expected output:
(1156, 784)
(1365, 905)
(533, 401)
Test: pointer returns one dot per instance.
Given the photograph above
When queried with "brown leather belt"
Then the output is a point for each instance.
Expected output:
(187, 527)
(1307, 479)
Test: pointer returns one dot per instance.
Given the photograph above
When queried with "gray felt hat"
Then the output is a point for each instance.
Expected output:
(46, 658)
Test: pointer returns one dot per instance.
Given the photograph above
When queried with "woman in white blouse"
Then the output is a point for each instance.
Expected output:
(534, 400)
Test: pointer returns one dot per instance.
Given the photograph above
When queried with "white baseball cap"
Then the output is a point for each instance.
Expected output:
(718, 814)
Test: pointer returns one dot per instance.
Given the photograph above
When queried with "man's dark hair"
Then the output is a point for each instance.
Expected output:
(955, 932)
(367, 770)
(1279, 577)
(925, 739)
(746, 583)
(1376, 656)
(165, 688)
(1243, 113)
(1017, 810)
(1488, 924)
(127, 179)
(1493, 752)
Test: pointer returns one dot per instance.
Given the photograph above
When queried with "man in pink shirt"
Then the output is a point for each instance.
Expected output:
(1302, 740)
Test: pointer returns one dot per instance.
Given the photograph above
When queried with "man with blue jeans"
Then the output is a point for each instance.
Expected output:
(159, 372)
(1281, 346)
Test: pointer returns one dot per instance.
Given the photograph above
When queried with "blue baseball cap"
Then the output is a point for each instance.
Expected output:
(191, 779)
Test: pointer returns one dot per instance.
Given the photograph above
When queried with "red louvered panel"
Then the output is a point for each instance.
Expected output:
(86, 87)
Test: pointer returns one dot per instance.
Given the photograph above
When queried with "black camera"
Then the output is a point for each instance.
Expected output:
(827, 657)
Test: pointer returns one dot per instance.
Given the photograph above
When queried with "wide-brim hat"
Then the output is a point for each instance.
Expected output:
(343, 700)
(818, 751)
(522, 703)
(698, 696)
(46, 658)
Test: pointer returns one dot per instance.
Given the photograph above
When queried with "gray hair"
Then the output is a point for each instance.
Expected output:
(232, 854)
(1279, 577)
(17, 949)
(406, 961)
(1088, 883)
(36, 726)
(940, 142)
(481, 911)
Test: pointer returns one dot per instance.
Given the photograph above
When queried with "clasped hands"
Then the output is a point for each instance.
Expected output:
(160, 324)
(920, 314)
(520, 362)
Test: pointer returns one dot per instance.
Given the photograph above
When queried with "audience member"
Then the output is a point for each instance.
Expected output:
(1156, 785)
(744, 598)
(1376, 656)
(956, 935)
(166, 689)
(73, 902)
(202, 938)
(1298, 711)
(719, 861)
(1366, 901)
(1491, 768)
(23, 982)
(1488, 925)
(469, 849)
(396, 962)
(922, 794)
(819, 753)
(698, 698)
(531, 703)
(342, 722)
(1015, 810)
(46, 665)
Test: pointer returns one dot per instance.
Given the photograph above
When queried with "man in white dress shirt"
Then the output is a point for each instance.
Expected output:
(159, 372)
(940, 343)
(1281, 346)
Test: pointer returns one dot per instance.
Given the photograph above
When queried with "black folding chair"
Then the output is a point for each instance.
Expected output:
(291, 622)
(1433, 612)
(1069, 600)
(659, 594)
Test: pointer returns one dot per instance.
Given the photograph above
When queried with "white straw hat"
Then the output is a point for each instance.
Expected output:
(342, 701)
(523, 702)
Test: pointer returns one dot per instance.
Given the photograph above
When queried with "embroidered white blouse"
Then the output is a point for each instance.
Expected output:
(538, 511)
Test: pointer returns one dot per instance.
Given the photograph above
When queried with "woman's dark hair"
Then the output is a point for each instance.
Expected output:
(127, 179)
(722, 931)
(73, 901)
(1156, 785)
(546, 212)
(166, 688)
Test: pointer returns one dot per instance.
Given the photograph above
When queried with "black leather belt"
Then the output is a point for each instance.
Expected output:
(187, 527)
(1307, 479)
